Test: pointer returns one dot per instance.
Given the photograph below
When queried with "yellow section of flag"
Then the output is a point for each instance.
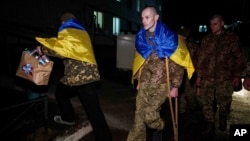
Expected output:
(182, 57)
(71, 43)
(138, 61)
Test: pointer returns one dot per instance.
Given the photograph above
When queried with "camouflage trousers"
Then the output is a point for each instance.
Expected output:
(148, 104)
(188, 98)
(216, 96)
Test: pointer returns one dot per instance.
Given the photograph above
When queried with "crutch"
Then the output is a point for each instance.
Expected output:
(173, 115)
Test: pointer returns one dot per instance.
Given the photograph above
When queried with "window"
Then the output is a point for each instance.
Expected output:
(116, 26)
(202, 28)
(138, 5)
(160, 8)
(98, 19)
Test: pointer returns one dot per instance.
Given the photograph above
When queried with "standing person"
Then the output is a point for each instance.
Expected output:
(81, 75)
(219, 68)
(154, 42)
(188, 93)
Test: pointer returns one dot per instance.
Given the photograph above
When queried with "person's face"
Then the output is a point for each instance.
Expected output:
(216, 25)
(149, 20)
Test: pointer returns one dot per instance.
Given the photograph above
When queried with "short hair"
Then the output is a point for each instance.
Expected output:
(152, 8)
(220, 16)
(66, 16)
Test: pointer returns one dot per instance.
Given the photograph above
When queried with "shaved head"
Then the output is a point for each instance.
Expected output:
(151, 9)
(217, 24)
(149, 18)
(219, 16)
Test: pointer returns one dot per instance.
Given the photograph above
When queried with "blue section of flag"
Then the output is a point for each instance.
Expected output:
(71, 23)
(165, 42)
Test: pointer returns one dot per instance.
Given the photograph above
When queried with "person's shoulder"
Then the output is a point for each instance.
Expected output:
(231, 33)
(207, 36)
(233, 36)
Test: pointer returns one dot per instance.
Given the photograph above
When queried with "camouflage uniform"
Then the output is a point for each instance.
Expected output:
(76, 72)
(188, 96)
(220, 60)
(152, 94)
(81, 78)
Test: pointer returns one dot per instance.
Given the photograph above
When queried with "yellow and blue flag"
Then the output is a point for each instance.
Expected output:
(72, 41)
(166, 43)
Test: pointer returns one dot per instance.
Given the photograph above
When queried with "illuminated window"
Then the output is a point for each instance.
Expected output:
(138, 5)
(116, 26)
(202, 28)
(160, 8)
(99, 18)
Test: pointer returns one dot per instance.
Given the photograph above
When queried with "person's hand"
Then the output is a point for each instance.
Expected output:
(236, 81)
(174, 92)
(39, 50)
(246, 83)
(137, 86)
(198, 82)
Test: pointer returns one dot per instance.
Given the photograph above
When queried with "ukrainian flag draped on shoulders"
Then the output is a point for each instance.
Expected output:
(167, 44)
(72, 42)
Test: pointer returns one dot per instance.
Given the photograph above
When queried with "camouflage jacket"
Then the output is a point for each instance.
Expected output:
(153, 71)
(220, 57)
(76, 72)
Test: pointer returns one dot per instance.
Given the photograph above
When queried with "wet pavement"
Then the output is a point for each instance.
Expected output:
(118, 102)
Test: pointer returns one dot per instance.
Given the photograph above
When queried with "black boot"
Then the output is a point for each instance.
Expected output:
(157, 136)
(222, 123)
(208, 133)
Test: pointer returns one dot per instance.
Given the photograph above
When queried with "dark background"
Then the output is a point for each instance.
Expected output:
(196, 13)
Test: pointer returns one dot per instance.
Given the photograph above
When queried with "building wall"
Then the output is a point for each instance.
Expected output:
(21, 21)
(46, 13)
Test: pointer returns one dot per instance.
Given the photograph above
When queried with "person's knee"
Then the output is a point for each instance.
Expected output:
(154, 121)
(156, 124)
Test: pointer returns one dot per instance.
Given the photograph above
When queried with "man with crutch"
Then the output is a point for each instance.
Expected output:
(156, 46)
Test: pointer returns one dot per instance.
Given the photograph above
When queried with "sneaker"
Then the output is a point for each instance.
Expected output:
(58, 119)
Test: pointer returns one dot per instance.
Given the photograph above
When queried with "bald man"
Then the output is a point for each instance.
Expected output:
(151, 41)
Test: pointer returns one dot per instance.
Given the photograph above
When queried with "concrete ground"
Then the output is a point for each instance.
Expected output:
(118, 103)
